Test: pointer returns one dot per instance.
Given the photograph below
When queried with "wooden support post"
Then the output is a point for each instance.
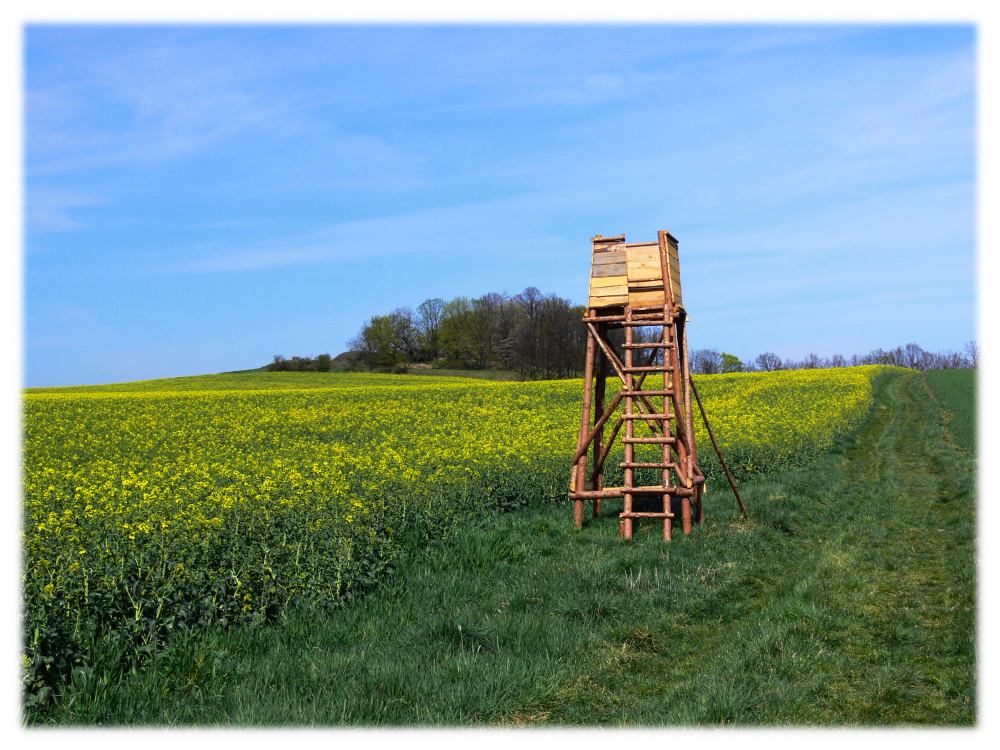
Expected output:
(597, 475)
(581, 465)
(683, 420)
(589, 437)
(615, 362)
(698, 508)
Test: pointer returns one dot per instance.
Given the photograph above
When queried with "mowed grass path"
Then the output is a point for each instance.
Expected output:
(847, 599)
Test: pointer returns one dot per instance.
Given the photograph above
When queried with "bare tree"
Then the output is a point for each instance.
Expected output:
(646, 335)
(914, 357)
(768, 362)
(405, 332)
(526, 335)
(953, 360)
(811, 362)
(706, 361)
(972, 353)
(428, 323)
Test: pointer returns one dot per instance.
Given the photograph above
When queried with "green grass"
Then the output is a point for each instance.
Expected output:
(481, 374)
(262, 379)
(847, 599)
(956, 392)
(254, 380)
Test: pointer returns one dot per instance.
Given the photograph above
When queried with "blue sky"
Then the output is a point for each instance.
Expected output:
(198, 199)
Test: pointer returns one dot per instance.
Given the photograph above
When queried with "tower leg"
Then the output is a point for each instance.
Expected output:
(682, 348)
(597, 476)
(581, 466)
(686, 514)
(684, 469)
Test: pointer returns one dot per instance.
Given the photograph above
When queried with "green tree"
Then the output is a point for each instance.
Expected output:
(378, 344)
(456, 335)
(731, 363)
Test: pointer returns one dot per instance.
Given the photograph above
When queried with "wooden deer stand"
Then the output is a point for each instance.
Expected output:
(636, 287)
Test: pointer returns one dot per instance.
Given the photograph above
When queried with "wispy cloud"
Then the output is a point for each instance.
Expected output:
(643, 170)
(184, 96)
(175, 96)
(916, 118)
(456, 231)
(771, 39)
(53, 210)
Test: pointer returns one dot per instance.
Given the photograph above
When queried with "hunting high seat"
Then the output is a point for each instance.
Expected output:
(636, 287)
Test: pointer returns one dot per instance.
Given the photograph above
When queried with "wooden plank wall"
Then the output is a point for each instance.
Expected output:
(645, 276)
(631, 273)
(608, 276)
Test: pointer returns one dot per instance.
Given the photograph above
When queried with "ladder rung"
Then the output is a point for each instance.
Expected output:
(649, 490)
(608, 492)
(648, 416)
(650, 368)
(654, 317)
(655, 345)
(646, 465)
(640, 514)
(653, 440)
(640, 392)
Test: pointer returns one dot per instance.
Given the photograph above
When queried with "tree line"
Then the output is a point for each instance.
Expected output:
(534, 334)
(540, 336)
(320, 363)
(710, 361)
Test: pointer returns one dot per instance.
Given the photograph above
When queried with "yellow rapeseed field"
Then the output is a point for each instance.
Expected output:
(163, 505)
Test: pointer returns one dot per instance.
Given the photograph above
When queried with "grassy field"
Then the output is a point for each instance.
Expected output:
(254, 380)
(257, 380)
(817, 611)
(484, 374)
(955, 390)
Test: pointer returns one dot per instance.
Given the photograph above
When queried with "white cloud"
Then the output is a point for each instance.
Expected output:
(52, 210)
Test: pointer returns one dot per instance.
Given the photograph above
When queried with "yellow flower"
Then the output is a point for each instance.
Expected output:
(298, 480)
